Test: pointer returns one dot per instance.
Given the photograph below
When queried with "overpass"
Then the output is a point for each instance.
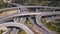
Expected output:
(38, 23)
(29, 13)
(27, 7)
(19, 25)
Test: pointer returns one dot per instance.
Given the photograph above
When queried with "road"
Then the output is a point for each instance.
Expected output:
(29, 7)
(39, 26)
(42, 27)
(29, 13)
(15, 4)
(52, 18)
(22, 20)
(32, 6)
(19, 25)
(38, 23)
(8, 31)
(15, 31)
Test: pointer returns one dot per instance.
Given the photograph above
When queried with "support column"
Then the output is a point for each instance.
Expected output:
(18, 10)
(22, 20)
(31, 20)
(37, 10)
(45, 9)
(16, 19)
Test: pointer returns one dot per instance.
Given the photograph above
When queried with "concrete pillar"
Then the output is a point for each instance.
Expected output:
(18, 10)
(37, 10)
(45, 9)
(22, 20)
(16, 19)
(31, 20)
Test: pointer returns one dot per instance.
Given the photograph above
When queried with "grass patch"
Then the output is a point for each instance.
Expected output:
(32, 27)
(50, 26)
(28, 23)
(22, 32)
(1, 31)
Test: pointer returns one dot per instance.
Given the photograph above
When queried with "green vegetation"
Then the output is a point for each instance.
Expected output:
(55, 3)
(50, 26)
(1, 31)
(22, 32)
(39, 2)
(28, 22)
(32, 27)
(7, 0)
(31, 2)
(3, 5)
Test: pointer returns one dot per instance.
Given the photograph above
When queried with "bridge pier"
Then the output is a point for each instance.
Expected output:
(16, 19)
(22, 20)
(37, 10)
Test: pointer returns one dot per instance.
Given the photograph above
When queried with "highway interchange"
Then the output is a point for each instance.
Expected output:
(36, 20)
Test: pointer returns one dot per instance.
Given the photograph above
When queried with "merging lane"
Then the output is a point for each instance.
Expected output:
(30, 13)
(19, 25)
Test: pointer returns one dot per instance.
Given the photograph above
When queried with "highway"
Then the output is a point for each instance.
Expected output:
(15, 31)
(35, 25)
(33, 6)
(15, 4)
(22, 20)
(25, 12)
(52, 18)
(40, 26)
(29, 7)
(19, 25)
(8, 31)
(43, 28)
(29, 13)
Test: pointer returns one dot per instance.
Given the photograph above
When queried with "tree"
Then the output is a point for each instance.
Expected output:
(54, 3)
(31, 2)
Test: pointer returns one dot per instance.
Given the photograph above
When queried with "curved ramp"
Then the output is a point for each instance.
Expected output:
(19, 25)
